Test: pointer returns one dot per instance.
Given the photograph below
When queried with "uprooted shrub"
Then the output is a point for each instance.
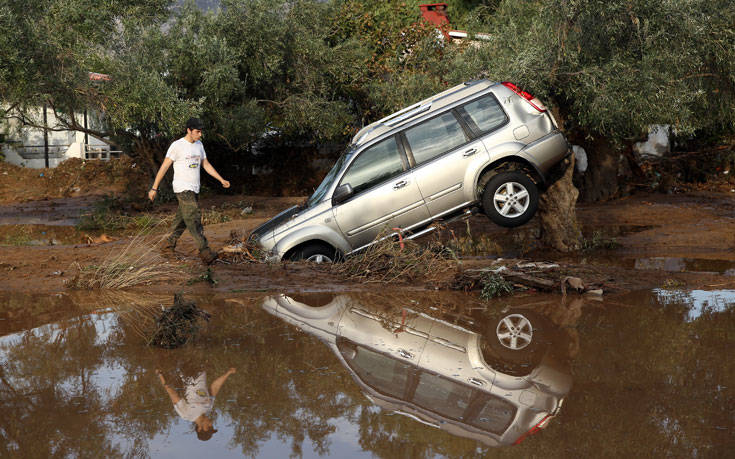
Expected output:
(178, 324)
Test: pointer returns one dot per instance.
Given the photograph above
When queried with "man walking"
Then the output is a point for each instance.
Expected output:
(188, 157)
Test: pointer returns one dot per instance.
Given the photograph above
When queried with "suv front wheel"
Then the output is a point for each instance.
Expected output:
(510, 199)
(315, 252)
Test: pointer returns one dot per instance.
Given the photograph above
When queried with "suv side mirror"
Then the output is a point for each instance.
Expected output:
(342, 194)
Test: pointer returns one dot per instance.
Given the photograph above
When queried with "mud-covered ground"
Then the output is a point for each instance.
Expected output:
(642, 241)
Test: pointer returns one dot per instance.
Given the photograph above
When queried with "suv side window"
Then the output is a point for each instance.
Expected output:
(442, 395)
(374, 165)
(434, 137)
(384, 374)
(485, 113)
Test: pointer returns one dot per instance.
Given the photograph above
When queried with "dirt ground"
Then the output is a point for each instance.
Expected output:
(648, 240)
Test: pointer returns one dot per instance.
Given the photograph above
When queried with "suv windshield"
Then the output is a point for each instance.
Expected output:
(329, 179)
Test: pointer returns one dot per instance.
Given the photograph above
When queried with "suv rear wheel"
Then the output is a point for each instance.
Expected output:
(510, 199)
(518, 336)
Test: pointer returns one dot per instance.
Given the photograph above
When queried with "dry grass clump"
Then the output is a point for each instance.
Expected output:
(468, 243)
(138, 263)
(394, 261)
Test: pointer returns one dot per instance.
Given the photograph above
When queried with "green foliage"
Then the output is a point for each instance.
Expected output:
(613, 68)
(304, 72)
(207, 276)
(494, 285)
(49, 46)
(108, 215)
(20, 236)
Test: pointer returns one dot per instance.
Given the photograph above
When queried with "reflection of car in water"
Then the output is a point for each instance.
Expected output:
(438, 373)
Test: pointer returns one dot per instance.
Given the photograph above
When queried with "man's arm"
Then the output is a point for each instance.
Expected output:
(171, 393)
(211, 171)
(159, 176)
(217, 384)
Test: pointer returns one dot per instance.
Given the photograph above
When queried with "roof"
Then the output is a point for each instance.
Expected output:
(424, 107)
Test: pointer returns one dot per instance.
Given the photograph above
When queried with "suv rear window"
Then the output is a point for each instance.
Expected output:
(486, 113)
(434, 137)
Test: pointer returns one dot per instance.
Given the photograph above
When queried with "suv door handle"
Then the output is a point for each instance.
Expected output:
(400, 184)
(470, 152)
(405, 354)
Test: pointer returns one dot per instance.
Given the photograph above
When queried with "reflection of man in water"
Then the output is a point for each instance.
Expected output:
(198, 400)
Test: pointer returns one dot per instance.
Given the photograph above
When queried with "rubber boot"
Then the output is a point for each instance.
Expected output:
(207, 256)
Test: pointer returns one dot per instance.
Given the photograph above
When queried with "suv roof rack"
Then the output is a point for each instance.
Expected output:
(409, 112)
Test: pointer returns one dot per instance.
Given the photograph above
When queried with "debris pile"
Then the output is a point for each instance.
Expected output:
(395, 261)
(239, 250)
(541, 276)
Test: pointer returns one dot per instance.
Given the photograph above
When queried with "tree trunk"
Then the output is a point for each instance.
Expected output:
(607, 170)
(557, 213)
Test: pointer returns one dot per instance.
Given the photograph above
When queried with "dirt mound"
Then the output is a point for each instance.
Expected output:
(73, 177)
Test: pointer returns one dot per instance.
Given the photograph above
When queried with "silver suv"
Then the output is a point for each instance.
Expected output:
(477, 145)
(439, 373)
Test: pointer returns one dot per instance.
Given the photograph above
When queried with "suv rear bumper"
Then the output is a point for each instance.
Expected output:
(548, 150)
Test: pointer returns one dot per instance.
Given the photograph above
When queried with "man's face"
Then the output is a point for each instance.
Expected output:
(196, 134)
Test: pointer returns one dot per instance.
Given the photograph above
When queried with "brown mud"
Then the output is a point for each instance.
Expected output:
(643, 241)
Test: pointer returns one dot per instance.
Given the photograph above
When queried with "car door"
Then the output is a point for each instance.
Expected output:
(442, 151)
(385, 195)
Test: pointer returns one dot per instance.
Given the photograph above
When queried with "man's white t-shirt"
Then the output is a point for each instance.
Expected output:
(196, 401)
(187, 158)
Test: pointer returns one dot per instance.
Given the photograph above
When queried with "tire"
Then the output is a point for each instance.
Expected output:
(317, 252)
(518, 336)
(510, 199)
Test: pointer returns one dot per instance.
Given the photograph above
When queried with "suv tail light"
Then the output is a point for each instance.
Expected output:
(535, 429)
(537, 104)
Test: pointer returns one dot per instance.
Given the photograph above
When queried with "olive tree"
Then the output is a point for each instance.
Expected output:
(49, 47)
(612, 68)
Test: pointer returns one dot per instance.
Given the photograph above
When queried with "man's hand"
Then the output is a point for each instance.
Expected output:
(152, 194)
(225, 183)
(160, 377)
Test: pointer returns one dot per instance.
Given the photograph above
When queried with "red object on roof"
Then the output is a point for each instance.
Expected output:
(94, 76)
(435, 13)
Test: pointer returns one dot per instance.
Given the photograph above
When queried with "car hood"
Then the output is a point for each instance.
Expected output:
(267, 228)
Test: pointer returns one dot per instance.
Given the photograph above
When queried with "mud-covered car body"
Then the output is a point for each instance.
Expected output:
(431, 370)
(480, 144)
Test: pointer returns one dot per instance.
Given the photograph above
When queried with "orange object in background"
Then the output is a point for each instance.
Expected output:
(436, 13)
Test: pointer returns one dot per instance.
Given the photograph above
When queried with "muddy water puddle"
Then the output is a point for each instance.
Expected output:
(391, 374)
(55, 212)
(22, 235)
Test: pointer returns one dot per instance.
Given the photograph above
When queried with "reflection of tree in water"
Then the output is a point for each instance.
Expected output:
(650, 384)
(646, 382)
(50, 402)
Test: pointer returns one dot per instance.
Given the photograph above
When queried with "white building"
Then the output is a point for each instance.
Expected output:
(26, 146)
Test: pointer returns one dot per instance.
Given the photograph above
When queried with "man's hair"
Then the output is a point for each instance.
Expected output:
(194, 123)
(205, 435)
